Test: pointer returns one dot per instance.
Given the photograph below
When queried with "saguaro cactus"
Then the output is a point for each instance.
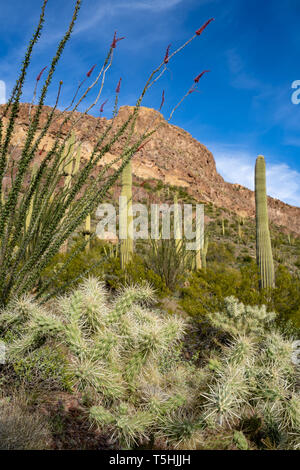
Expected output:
(198, 264)
(177, 225)
(29, 213)
(223, 227)
(87, 232)
(240, 223)
(204, 252)
(263, 241)
(70, 163)
(126, 242)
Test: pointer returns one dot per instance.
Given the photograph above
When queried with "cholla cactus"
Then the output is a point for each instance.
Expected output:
(120, 355)
(126, 361)
(240, 319)
(255, 374)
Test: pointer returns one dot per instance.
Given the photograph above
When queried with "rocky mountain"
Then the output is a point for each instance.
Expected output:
(172, 155)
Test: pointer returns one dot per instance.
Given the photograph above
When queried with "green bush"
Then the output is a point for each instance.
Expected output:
(170, 261)
(46, 368)
(221, 253)
(285, 298)
(106, 268)
(207, 290)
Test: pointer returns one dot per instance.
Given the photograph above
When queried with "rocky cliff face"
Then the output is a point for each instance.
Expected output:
(172, 155)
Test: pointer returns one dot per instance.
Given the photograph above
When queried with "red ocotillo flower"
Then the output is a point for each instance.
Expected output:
(115, 40)
(40, 74)
(142, 145)
(162, 100)
(90, 71)
(41, 151)
(102, 105)
(191, 90)
(199, 31)
(166, 59)
(196, 80)
(118, 86)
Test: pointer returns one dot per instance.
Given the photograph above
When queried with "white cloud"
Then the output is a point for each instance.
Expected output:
(237, 166)
(153, 5)
(239, 77)
(2, 92)
(111, 9)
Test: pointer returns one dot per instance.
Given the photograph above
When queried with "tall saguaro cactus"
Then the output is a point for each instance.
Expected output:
(263, 241)
(198, 263)
(177, 225)
(71, 164)
(204, 252)
(126, 242)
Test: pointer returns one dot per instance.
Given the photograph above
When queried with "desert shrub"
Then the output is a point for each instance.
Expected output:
(99, 263)
(137, 271)
(78, 264)
(220, 252)
(285, 298)
(170, 261)
(43, 368)
(207, 290)
(21, 428)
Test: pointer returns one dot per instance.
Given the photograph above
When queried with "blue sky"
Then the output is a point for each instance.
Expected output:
(244, 107)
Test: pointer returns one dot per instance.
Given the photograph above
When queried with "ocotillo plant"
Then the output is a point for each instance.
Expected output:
(29, 214)
(263, 241)
(126, 242)
(61, 210)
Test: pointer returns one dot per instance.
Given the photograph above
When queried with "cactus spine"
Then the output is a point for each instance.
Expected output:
(263, 241)
(126, 219)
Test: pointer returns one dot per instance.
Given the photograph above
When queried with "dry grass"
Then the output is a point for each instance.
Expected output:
(21, 428)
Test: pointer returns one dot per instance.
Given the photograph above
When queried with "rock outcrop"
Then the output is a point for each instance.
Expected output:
(172, 155)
